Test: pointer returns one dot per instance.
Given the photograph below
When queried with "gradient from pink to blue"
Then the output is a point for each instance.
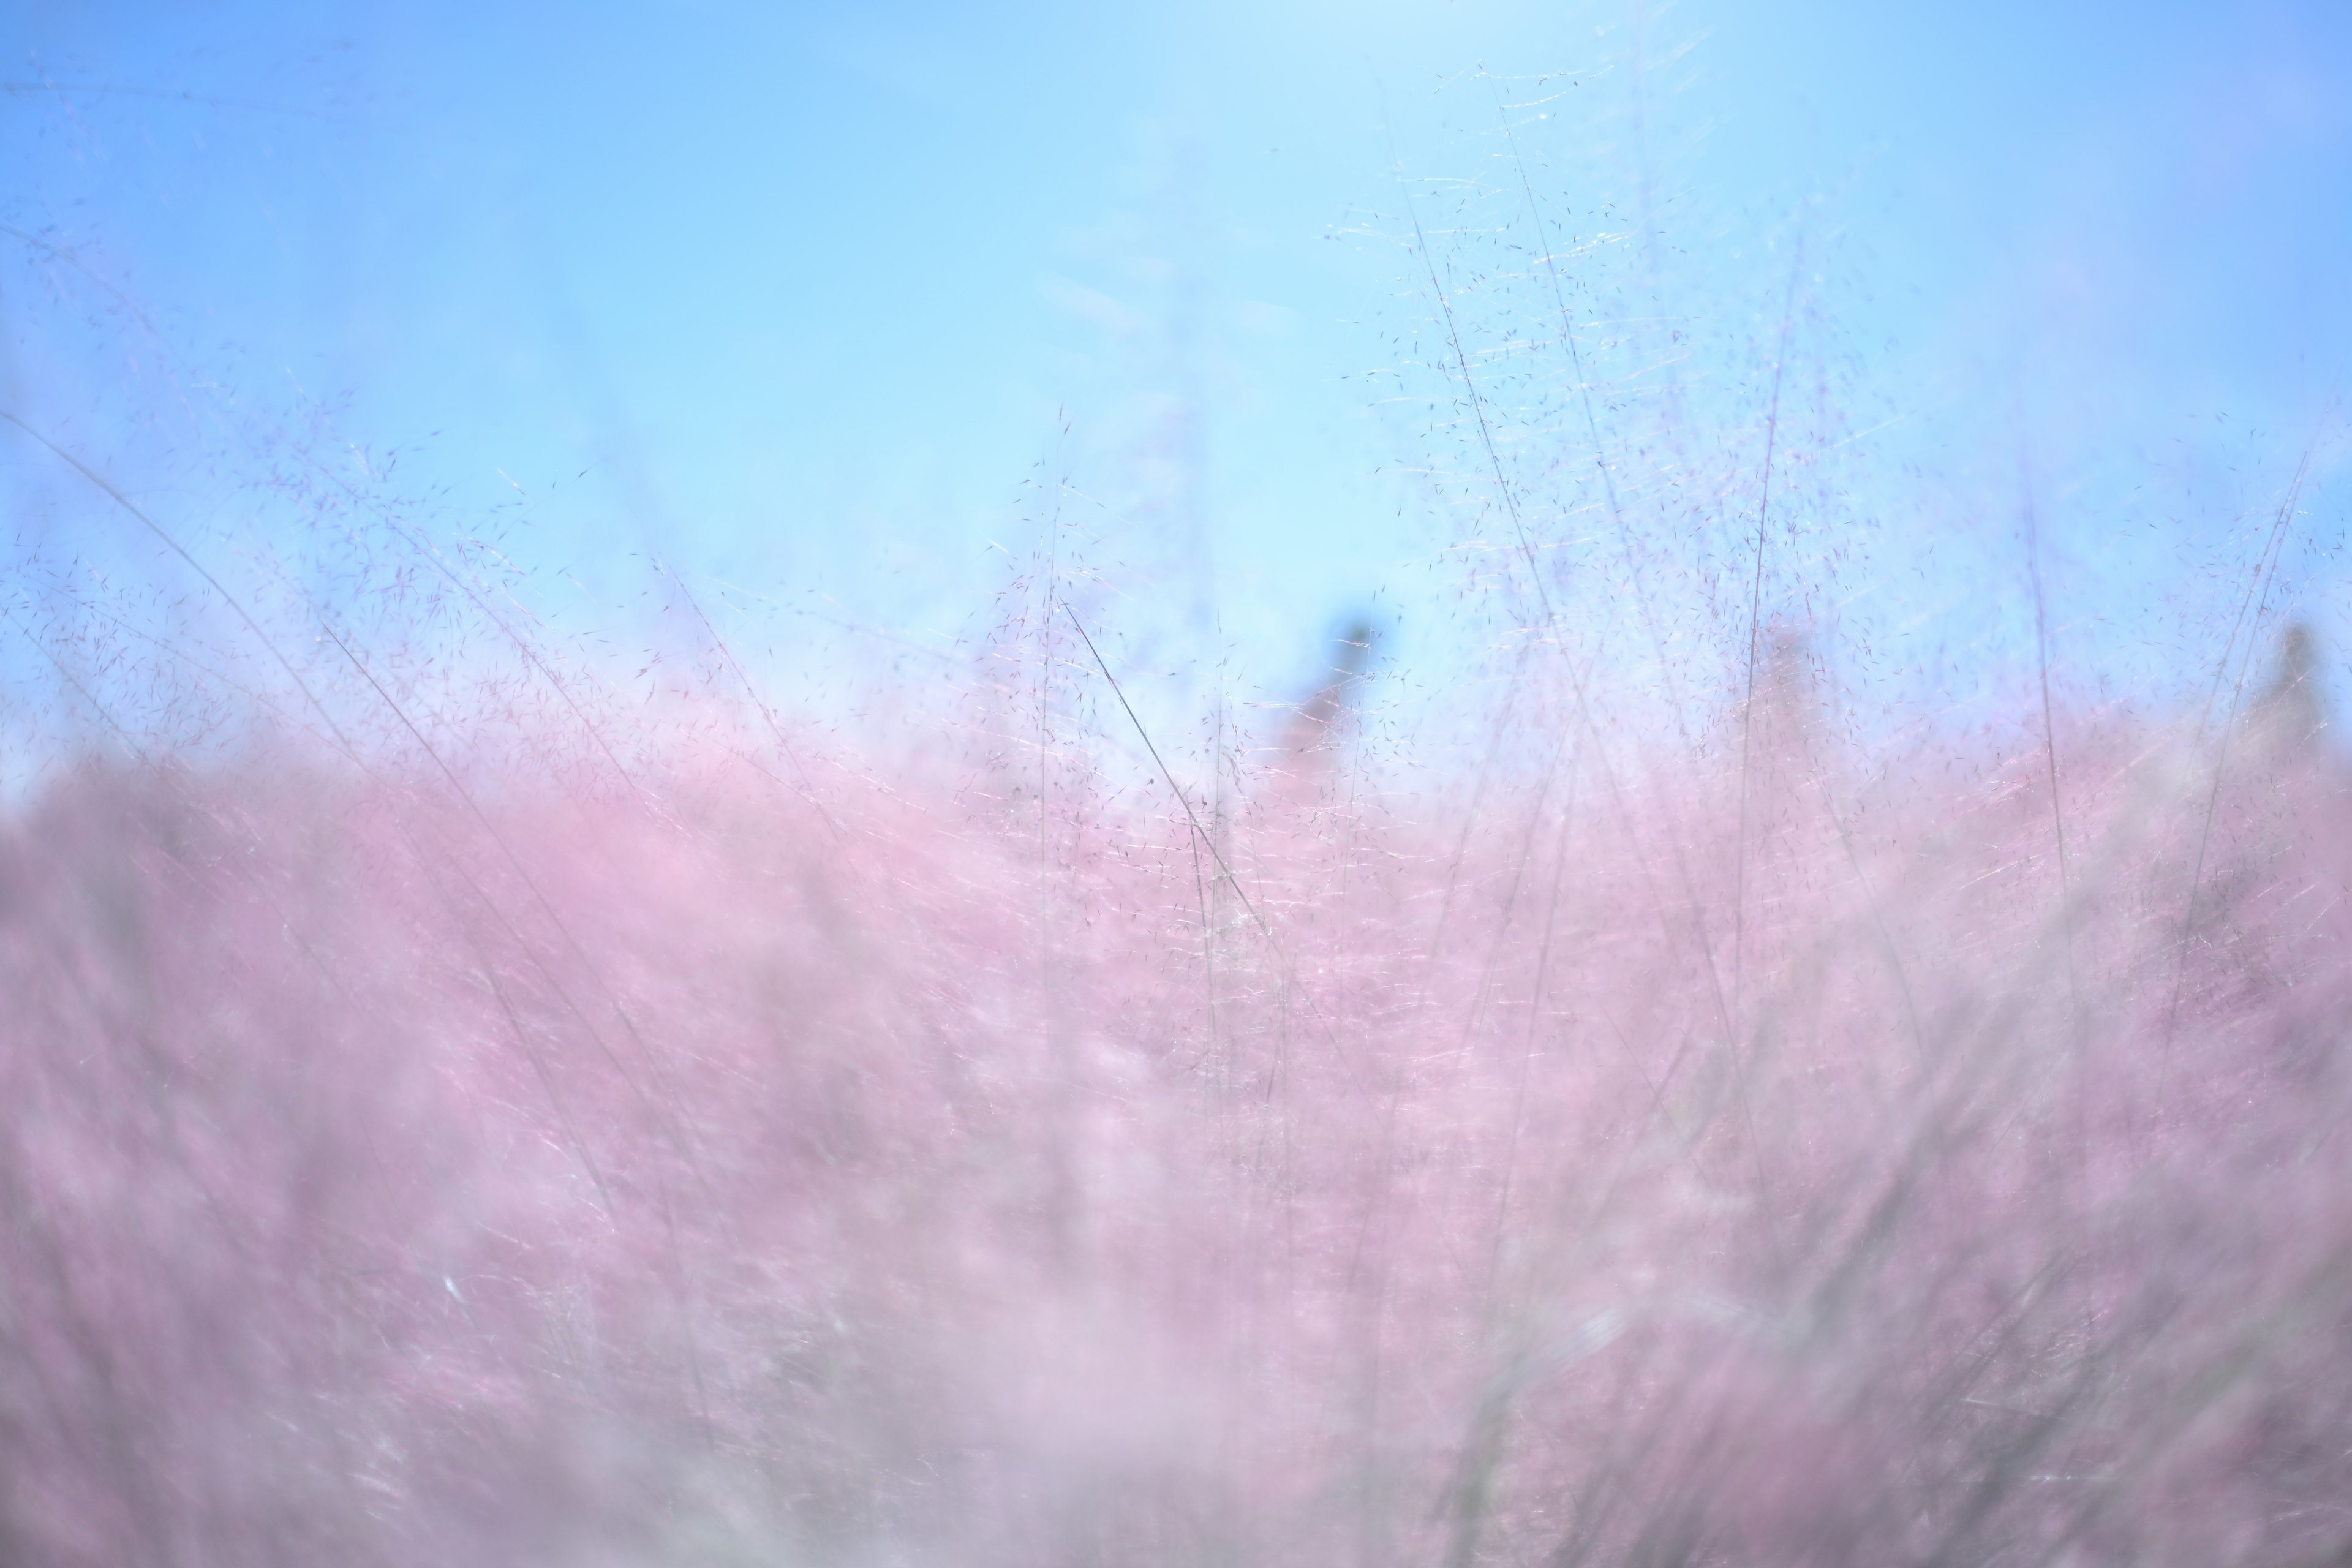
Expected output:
(799, 295)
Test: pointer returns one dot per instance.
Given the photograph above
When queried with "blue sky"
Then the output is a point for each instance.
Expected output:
(799, 297)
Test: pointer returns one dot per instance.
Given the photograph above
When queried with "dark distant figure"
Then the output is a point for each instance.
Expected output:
(1313, 726)
(1319, 727)
(2292, 710)
(1784, 717)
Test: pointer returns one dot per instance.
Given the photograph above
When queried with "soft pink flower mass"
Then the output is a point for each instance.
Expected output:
(1668, 1162)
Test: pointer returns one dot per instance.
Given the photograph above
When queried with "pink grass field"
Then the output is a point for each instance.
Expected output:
(1634, 1159)
(1784, 1000)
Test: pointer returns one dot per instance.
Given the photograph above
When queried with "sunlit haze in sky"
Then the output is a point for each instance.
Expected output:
(803, 300)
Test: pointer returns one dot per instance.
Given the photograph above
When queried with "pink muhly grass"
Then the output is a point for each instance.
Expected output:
(396, 1179)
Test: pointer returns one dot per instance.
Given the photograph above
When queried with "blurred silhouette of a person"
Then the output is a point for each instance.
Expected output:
(2292, 710)
(1319, 726)
(1336, 699)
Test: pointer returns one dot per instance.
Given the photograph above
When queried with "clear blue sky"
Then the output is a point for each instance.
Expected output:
(799, 296)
